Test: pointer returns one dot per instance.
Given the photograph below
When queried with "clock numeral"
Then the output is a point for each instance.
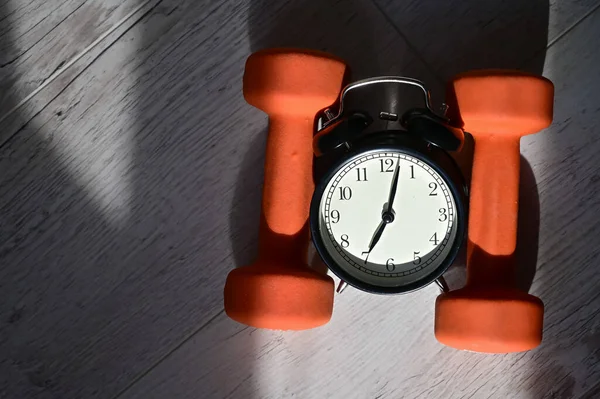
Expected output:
(416, 257)
(345, 193)
(443, 215)
(361, 174)
(345, 242)
(389, 165)
(434, 239)
(335, 216)
(389, 265)
(433, 186)
(412, 171)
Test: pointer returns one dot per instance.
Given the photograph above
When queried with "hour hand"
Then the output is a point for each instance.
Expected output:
(375, 238)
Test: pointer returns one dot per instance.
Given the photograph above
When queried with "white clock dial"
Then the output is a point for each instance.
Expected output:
(379, 244)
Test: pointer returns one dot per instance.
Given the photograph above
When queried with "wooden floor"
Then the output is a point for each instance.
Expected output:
(130, 178)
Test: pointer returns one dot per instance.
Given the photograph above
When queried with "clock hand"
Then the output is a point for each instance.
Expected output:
(375, 239)
(393, 188)
(387, 216)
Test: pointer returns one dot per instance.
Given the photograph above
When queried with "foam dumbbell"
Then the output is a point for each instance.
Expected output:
(490, 314)
(279, 291)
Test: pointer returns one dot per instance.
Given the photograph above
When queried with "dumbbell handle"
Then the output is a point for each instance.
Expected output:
(287, 190)
(493, 210)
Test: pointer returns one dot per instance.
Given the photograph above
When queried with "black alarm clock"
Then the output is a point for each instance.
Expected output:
(388, 214)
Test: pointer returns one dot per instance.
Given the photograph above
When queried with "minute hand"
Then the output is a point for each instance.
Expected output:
(393, 188)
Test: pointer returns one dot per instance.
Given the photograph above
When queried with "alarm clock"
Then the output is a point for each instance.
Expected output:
(388, 214)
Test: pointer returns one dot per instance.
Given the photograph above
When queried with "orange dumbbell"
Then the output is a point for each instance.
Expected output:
(490, 314)
(279, 291)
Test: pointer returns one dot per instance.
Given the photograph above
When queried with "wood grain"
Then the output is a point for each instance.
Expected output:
(38, 38)
(384, 346)
(128, 197)
(464, 35)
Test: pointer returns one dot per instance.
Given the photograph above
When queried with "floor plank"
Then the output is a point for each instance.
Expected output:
(384, 347)
(128, 197)
(38, 38)
(464, 35)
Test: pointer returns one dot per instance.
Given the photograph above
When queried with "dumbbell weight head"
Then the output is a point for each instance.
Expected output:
(490, 314)
(279, 291)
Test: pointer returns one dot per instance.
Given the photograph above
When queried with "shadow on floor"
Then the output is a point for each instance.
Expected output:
(342, 28)
(471, 34)
(60, 257)
(94, 290)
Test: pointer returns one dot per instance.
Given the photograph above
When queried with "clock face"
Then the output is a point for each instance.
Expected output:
(387, 218)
